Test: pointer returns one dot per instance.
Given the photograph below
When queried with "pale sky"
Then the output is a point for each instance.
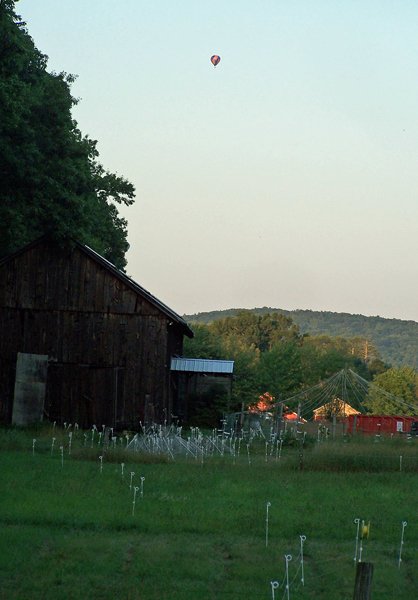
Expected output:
(286, 177)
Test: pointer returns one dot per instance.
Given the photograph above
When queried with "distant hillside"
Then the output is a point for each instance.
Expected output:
(396, 340)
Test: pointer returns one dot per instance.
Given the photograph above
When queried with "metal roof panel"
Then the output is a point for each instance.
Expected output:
(202, 365)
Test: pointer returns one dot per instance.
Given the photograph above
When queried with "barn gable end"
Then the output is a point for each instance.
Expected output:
(109, 342)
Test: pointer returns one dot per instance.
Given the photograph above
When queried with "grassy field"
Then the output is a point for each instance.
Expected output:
(199, 531)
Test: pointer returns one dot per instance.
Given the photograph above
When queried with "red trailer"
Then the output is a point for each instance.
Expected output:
(380, 424)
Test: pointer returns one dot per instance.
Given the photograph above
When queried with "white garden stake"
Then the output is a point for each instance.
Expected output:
(248, 454)
(122, 466)
(361, 548)
(70, 440)
(279, 447)
(92, 436)
(62, 455)
(132, 476)
(136, 489)
(274, 586)
(85, 439)
(357, 521)
(142, 486)
(267, 523)
(101, 464)
(100, 438)
(52, 446)
(33, 446)
(404, 524)
(288, 558)
(302, 541)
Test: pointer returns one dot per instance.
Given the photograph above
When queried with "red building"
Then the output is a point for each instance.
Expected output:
(379, 424)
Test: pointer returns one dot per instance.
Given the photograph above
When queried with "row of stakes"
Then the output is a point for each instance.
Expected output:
(198, 449)
(197, 445)
(322, 431)
(273, 448)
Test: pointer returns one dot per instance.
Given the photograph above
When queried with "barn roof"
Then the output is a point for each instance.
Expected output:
(202, 365)
(137, 288)
(117, 273)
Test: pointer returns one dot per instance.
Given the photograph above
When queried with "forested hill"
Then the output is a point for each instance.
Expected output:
(396, 340)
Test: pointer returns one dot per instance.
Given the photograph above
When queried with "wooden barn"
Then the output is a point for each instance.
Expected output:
(81, 342)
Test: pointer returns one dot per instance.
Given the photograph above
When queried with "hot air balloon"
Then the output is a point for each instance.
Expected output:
(215, 60)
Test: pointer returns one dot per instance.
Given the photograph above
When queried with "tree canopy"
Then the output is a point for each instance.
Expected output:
(401, 385)
(259, 332)
(50, 177)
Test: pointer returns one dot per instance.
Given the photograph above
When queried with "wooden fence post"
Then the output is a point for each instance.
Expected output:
(363, 584)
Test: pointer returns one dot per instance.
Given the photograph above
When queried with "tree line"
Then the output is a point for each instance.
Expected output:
(272, 356)
(395, 339)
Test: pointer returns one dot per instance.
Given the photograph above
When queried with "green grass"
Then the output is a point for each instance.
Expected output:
(199, 530)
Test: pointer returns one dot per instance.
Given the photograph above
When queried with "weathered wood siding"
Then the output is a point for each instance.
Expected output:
(108, 346)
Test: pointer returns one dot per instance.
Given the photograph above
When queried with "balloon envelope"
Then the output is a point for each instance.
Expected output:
(215, 59)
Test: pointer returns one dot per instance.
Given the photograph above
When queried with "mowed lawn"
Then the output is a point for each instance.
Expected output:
(199, 530)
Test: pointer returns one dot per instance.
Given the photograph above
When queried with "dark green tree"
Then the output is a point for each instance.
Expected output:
(246, 385)
(50, 178)
(400, 382)
(280, 370)
(324, 355)
(204, 344)
(260, 332)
